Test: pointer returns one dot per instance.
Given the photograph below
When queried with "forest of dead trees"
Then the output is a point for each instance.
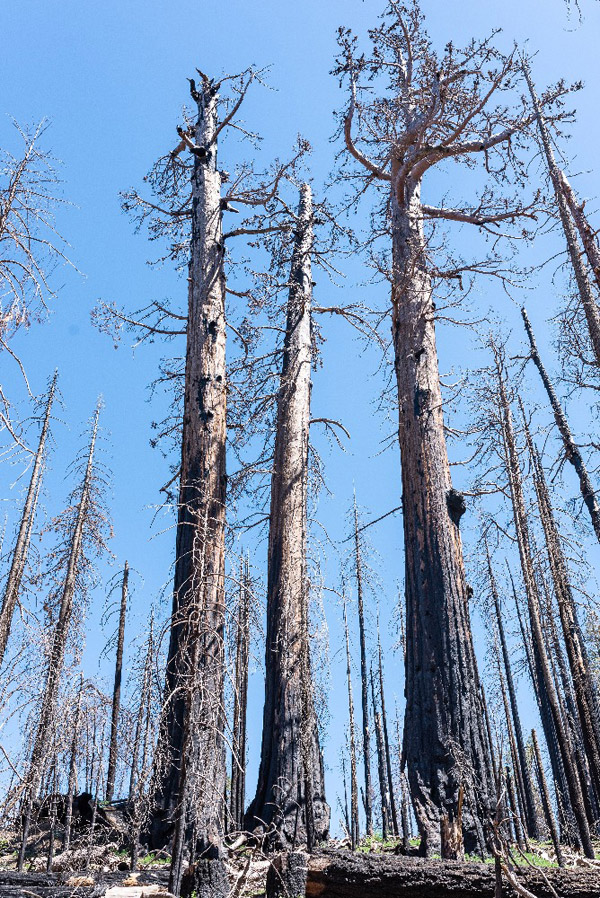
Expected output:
(451, 754)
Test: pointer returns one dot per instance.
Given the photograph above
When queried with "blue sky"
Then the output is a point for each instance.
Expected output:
(111, 78)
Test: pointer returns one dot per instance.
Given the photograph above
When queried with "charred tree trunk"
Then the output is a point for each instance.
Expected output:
(588, 300)
(56, 655)
(583, 682)
(386, 741)
(191, 765)
(549, 814)
(19, 556)
(443, 708)
(354, 827)
(116, 703)
(368, 793)
(290, 794)
(572, 453)
(545, 680)
(384, 791)
(72, 782)
(238, 754)
(530, 814)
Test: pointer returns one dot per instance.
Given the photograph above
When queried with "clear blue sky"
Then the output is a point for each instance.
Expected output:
(111, 77)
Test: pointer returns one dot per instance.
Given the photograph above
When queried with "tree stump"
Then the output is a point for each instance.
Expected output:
(287, 875)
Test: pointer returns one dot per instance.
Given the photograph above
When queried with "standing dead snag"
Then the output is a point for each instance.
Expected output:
(56, 655)
(354, 827)
(436, 109)
(240, 702)
(290, 794)
(19, 556)
(572, 452)
(116, 703)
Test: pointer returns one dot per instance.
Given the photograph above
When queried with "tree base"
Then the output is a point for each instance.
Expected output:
(287, 876)
(206, 879)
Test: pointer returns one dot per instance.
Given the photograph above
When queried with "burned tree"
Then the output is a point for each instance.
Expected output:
(116, 702)
(354, 826)
(19, 556)
(240, 702)
(360, 602)
(290, 794)
(431, 110)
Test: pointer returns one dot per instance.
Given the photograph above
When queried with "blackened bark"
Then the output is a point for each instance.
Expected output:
(19, 556)
(368, 791)
(354, 828)
(290, 795)
(572, 453)
(116, 703)
(384, 793)
(191, 764)
(547, 805)
(386, 741)
(240, 702)
(72, 782)
(443, 709)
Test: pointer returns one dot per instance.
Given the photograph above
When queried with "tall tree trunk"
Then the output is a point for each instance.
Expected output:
(586, 232)
(238, 753)
(545, 680)
(583, 682)
(141, 740)
(116, 703)
(354, 828)
(572, 453)
(386, 741)
(368, 793)
(72, 781)
(291, 791)
(58, 647)
(443, 709)
(193, 719)
(384, 789)
(19, 556)
(531, 816)
(546, 800)
(588, 300)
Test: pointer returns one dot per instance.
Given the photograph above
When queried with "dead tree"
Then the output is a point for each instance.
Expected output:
(19, 555)
(368, 793)
(584, 687)
(354, 827)
(548, 812)
(140, 757)
(584, 287)
(72, 780)
(290, 793)
(384, 789)
(572, 453)
(240, 699)
(386, 741)
(58, 647)
(116, 702)
(523, 768)
(544, 676)
(434, 109)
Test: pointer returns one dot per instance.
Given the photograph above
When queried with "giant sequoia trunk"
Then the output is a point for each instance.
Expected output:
(19, 556)
(191, 769)
(443, 712)
(290, 777)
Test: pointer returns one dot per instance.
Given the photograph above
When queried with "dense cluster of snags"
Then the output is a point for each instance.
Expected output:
(473, 782)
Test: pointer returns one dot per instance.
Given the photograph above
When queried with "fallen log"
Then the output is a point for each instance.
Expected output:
(343, 874)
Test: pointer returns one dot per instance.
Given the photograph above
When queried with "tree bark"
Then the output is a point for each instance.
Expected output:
(549, 814)
(354, 828)
(545, 680)
(443, 709)
(19, 556)
(238, 754)
(191, 766)
(588, 300)
(116, 703)
(290, 794)
(386, 741)
(572, 453)
(384, 790)
(368, 793)
(72, 782)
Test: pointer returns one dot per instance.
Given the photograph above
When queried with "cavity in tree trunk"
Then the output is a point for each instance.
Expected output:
(191, 766)
(19, 556)
(58, 647)
(238, 751)
(368, 792)
(544, 675)
(572, 453)
(588, 300)
(290, 794)
(116, 703)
